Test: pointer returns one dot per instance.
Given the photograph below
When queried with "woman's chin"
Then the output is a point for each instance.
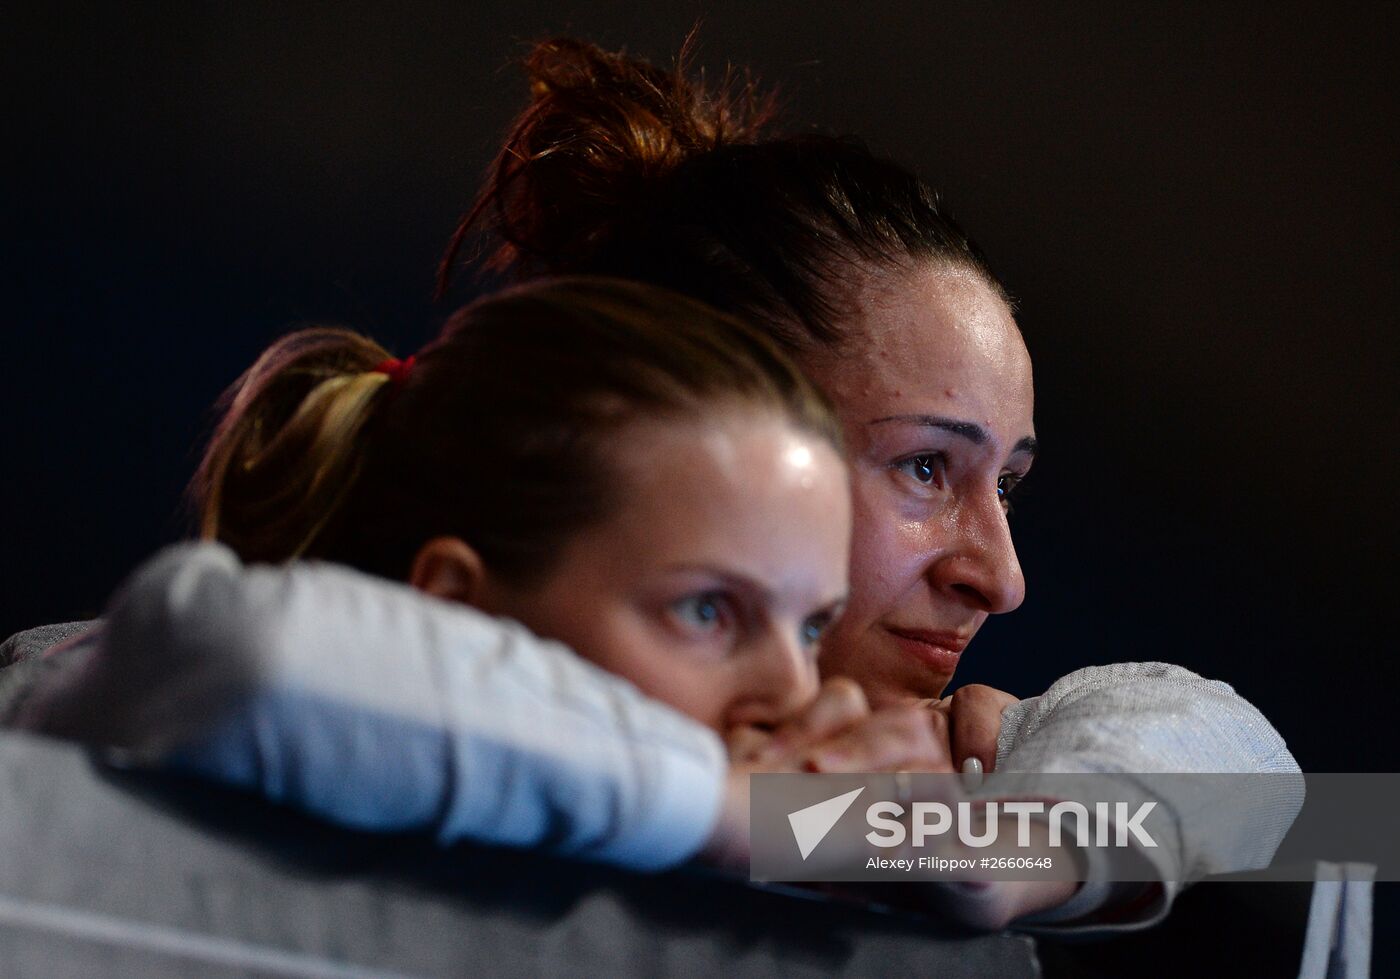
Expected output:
(895, 687)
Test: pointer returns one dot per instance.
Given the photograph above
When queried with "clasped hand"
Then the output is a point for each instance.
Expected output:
(840, 733)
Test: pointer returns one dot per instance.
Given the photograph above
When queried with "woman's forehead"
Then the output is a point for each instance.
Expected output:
(933, 340)
(740, 492)
(937, 310)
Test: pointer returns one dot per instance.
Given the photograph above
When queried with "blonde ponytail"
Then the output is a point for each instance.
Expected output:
(500, 434)
(289, 446)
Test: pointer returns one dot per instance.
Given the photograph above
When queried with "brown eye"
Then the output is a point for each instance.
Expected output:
(925, 468)
(1006, 482)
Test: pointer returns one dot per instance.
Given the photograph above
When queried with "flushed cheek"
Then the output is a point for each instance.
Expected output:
(703, 695)
(890, 559)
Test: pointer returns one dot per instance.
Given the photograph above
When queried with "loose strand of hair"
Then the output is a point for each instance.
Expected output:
(696, 118)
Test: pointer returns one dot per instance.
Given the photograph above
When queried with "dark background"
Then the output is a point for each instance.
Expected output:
(1195, 207)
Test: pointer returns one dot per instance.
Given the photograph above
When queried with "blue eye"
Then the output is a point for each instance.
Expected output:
(926, 467)
(815, 627)
(705, 612)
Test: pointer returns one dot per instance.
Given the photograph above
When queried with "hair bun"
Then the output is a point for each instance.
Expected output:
(601, 131)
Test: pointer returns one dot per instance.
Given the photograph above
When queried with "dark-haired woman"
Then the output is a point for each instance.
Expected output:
(849, 262)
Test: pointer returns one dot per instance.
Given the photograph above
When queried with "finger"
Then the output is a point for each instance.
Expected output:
(894, 739)
(839, 704)
(974, 718)
(745, 742)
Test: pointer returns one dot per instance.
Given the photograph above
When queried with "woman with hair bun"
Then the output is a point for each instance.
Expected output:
(849, 262)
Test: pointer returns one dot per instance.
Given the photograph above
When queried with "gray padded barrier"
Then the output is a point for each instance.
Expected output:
(106, 873)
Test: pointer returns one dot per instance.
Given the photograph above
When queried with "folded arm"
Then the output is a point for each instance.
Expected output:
(365, 702)
(1130, 719)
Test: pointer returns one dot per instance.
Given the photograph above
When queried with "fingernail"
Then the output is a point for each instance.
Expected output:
(972, 773)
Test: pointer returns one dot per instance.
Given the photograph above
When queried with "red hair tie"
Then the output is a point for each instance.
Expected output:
(398, 370)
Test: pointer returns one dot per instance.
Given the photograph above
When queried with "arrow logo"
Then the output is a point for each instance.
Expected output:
(810, 825)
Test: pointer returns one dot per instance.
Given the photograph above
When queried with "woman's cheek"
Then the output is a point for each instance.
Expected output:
(887, 551)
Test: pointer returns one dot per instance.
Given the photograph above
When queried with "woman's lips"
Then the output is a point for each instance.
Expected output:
(940, 650)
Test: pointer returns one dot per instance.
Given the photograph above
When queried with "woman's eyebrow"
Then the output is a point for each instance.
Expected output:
(753, 587)
(732, 578)
(971, 431)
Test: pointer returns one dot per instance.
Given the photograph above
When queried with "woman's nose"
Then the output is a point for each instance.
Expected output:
(780, 679)
(979, 565)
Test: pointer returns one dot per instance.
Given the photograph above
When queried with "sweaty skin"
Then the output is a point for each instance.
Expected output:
(934, 390)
